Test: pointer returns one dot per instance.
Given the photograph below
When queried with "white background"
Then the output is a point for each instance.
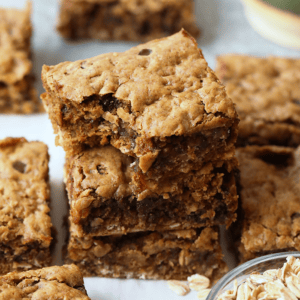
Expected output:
(224, 30)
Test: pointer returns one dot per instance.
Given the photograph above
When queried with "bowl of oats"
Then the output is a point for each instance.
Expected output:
(273, 276)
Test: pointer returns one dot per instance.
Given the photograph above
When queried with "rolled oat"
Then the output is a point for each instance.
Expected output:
(180, 288)
(198, 282)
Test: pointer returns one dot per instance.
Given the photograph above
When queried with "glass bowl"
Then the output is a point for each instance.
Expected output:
(242, 272)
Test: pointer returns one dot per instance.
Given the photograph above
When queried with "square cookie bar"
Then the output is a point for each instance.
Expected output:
(104, 200)
(159, 103)
(17, 92)
(59, 283)
(270, 200)
(266, 92)
(148, 255)
(25, 224)
(131, 20)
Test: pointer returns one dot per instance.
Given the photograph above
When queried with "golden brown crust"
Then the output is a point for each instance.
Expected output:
(57, 283)
(266, 92)
(25, 224)
(270, 190)
(125, 19)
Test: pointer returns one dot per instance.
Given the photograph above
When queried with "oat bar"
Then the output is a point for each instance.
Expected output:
(270, 199)
(104, 200)
(56, 283)
(25, 224)
(266, 92)
(125, 19)
(17, 92)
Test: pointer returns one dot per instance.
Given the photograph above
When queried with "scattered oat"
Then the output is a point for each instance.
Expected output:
(179, 287)
(202, 294)
(198, 282)
(283, 284)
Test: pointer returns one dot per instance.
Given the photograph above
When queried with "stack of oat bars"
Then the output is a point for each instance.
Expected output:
(149, 136)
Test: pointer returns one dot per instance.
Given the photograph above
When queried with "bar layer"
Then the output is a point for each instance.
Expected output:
(148, 255)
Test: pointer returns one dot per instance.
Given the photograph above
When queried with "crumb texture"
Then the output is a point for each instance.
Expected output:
(56, 283)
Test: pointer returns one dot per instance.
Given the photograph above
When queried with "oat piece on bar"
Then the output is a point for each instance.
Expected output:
(57, 283)
(270, 199)
(17, 92)
(159, 103)
(148, 255)
(125, 19)
(103, 198)
(25, 224)
(266, 92)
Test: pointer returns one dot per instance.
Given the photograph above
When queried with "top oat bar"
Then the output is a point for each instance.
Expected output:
(267, 96)
(133, 20)
(158, 102)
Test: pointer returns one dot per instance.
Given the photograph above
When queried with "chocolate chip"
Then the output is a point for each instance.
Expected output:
(295, 216)
(64, 109)
(145, 52)
(101, 170)
(3, 85)
(19, 166)
(279, 160)
(296, 101)
(145, 29)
